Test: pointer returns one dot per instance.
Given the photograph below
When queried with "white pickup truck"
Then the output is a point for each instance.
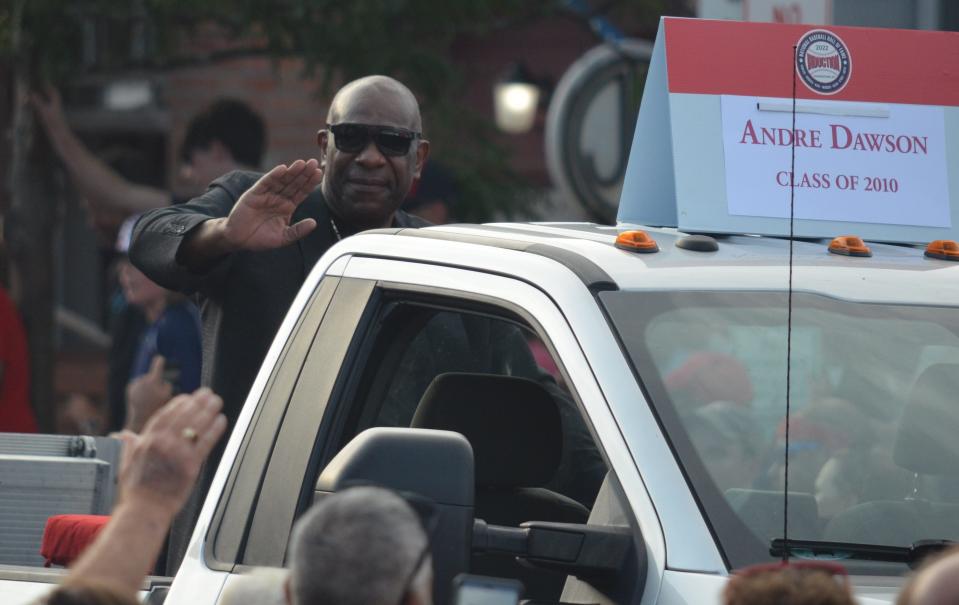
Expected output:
(651, 465)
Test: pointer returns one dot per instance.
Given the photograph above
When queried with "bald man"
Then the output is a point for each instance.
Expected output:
(246, 245)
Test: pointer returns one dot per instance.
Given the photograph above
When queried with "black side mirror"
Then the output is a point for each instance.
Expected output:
(593, 553)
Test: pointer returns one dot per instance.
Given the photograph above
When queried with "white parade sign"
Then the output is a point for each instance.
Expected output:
(866, 162)
(876, 134)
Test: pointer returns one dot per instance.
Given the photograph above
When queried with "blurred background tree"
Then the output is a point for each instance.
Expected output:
(337, 41)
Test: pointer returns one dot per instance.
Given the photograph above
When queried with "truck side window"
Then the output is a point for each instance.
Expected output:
(492, 379)
(427, 343)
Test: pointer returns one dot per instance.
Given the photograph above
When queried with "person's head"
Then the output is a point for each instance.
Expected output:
(262, 586)
(787, 585)
(138, 289)
(371, 152)
(840, 483)
(937, 581)
(362, 546)
(825, 428)
(225, 136)
(707, 376)
(84, 592)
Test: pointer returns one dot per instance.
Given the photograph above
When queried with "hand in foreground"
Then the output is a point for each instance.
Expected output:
(79, 415)
(157, 473)
(260, 220)
(160, 466)
(146, 394)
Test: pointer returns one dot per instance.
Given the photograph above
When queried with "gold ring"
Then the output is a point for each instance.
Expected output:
(189, 433)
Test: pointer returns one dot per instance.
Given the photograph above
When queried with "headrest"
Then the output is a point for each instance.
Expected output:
(434, 464)
(927, 441)
(512, 423)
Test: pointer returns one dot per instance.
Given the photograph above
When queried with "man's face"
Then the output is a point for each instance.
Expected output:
(365, 188)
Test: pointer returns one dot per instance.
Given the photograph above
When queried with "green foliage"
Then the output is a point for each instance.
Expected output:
(338, 40)
(42, 23)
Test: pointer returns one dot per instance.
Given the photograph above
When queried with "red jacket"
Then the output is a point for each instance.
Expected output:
(15, 413)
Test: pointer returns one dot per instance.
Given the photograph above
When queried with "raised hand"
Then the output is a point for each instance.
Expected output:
(157, 472)
(260, 220)
(146, 394)
(160, 465)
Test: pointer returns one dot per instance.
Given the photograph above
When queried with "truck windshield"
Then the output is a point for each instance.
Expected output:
(873, 454)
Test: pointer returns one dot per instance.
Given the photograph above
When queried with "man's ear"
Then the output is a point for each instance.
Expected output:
(422, 152)
(322, 140)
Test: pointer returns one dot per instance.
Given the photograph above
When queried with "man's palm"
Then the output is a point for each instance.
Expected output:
(260, 220)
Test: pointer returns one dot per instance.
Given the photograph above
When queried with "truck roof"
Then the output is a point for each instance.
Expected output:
(893, 274)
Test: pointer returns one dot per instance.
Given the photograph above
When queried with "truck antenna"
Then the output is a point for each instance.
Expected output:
(789, 307)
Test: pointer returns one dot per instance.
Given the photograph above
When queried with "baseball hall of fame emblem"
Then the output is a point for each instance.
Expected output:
(823, 61)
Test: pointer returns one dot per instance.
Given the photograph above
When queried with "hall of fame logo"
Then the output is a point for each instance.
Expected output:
(823, 61)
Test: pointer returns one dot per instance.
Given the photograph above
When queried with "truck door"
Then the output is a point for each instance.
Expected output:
(391, 330)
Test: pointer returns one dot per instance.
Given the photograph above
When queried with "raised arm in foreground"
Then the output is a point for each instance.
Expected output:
(158, 471)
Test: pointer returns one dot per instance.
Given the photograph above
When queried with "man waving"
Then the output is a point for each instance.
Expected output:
(246, 245)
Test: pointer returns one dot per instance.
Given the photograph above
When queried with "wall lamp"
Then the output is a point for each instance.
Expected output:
(516, 97)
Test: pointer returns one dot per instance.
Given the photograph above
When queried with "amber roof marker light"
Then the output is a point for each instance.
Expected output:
(943, 249)
(849, 245)
(636, 241)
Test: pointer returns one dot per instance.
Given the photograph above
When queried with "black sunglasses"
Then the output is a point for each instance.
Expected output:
(354, 138)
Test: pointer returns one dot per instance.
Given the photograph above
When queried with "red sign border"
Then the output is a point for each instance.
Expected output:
(737, 58)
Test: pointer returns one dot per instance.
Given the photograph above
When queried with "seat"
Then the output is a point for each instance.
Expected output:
(925, 444)
(926, 440)
(515, 429)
